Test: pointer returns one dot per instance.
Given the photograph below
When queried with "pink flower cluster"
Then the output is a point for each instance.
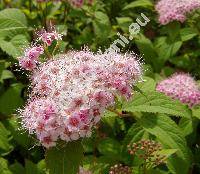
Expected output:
(30, 59)
(49, 37)
(170, 10)
(181, 87)
(70, 93)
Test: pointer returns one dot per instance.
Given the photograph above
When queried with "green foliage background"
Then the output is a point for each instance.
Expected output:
(165, 50)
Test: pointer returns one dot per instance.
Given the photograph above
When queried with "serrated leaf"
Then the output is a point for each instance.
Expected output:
(139, 3)
(11, 99)
(109, 147)
(124, 23)
(171, 137)
(101, 25)
(20, 137)
(4, 167)
(64, 160)
(188, 33)
(155, 102)
(196, 112)
(134, 134)
(6, 74)
(17, 168)
(31, 168)
(186, 125)
(166, 152)
(5, 146)
(14, 47)
(42, 167)
(148, 84)
(166, 49)
(13, 22)
(147, 49)
(110, 114)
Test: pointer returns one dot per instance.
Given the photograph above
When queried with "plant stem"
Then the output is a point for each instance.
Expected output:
(145, 168)
(120, 114)
(47, 53)
(55, 48)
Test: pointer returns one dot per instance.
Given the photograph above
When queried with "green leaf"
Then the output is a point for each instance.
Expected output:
(101, 24)
(148, 84)
(173, 31)
(11, 99)
(154, 102)
(20, 138)
(109, 147)
(147, 49)
(139, 3)
(13, 22)
(167, 49)
(2, 66)
(124, 23)
(31, 168)
(186, 125)
(196, 112)
(6, 74)
(65, 160)
(156, 171)
(134, 134)
(4, 167)
(5, 146)
(166, 152)
(171, 137)
(41, 167)
(188, 33)
(110, 114)
(14, 47)
(17, 168)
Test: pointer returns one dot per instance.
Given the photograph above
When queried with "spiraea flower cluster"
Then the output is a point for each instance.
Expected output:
(175, 10)
(148, 151)
(49, 37)
(30, 59)
(120, 169)
(70, 92)
(182, 87)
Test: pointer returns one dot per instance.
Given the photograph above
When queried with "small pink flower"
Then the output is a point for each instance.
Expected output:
(49, 37)
(33, 53)
(27, 63)
(84, 116)
(47, 141)
(73, 122)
